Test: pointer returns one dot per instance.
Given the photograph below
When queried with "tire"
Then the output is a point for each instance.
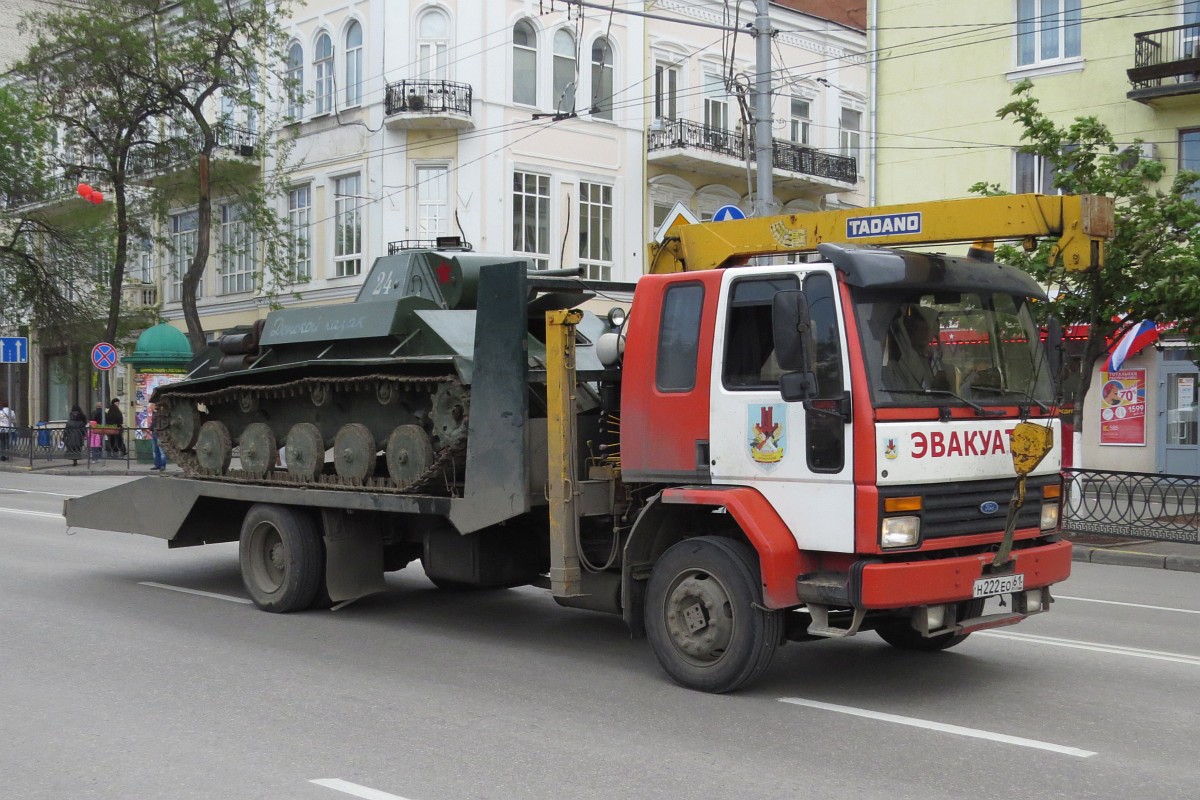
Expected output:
(901, 634)
(711, 652)
(282, 558)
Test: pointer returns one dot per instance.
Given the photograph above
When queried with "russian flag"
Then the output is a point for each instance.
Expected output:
(1136, 338)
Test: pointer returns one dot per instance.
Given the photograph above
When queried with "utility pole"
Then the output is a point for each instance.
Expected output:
(764, 161)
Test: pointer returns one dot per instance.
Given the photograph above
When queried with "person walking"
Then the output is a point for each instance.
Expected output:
(75, 434)
(160, 458)
(114, 417)
(8, 427)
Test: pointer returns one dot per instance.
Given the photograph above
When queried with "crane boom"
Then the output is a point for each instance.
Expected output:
(1081, 223)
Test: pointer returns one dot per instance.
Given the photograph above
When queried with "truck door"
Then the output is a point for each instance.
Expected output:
(798, 458)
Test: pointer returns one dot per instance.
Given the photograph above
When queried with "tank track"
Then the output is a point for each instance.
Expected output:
(441, 478)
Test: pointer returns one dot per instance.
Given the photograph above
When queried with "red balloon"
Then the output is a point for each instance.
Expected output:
(96, 197)
(83, 189)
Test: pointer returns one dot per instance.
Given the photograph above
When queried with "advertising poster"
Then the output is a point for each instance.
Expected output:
(1123, 407)
(144, 385)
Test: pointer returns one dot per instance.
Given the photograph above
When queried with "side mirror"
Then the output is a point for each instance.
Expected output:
(792, 328)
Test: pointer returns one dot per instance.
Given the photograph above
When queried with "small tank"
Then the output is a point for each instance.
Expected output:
(374, 394)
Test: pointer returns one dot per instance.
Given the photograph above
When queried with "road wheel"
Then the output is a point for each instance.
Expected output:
(703, 616)
(282, 558)
(214, 448)
(258, 449)
(901, 634)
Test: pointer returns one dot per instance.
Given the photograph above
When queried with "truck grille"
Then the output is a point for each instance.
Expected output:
(955, 509)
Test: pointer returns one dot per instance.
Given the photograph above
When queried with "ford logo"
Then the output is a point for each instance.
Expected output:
(990, 507)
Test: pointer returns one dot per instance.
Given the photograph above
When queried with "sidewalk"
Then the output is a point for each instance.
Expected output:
(1100, 549)
(63, 466)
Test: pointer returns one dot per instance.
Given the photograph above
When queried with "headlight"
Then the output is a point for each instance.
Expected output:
(900, 531)
(1049, 516)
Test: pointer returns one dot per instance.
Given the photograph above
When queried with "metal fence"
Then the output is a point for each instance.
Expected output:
(46, 442)
(1132, 504)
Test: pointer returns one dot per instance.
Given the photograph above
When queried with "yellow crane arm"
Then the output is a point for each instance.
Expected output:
(1081, 223)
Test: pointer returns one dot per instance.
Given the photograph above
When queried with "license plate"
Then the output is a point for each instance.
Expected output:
(1000, 584)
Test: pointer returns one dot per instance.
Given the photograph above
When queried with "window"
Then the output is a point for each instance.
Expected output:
(564, 71)
(851, 132)
(354, 64)
(323, 73)
(666, 90)
(433, 200)
(238, 252)
(716, 102)
(183, 248)
(749, 355)
(299, 226)
(602, 79)
(524, 63)
(595, 230)
(679, 338)
(800, 126)
(295, 81)
(826, 434)
(531, 217)
(1189, 156)
(433, 45)
(347, 221)
(1047, 31)
(1033, 174)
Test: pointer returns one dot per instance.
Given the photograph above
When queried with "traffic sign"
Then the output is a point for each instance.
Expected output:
(104, 356)
(678, 215)
(727, 213)
(14, 350)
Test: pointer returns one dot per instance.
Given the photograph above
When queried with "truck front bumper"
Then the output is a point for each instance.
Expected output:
(875, 585)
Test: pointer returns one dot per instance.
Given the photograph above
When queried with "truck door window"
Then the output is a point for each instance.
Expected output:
(679, 338)
(826, 435)
(749, 361)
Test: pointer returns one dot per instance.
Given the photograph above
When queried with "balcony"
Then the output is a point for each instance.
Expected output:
(428, 104)
(139, 296)
(685, 145)
(51, 189)
(236, 152)
(1166, 63)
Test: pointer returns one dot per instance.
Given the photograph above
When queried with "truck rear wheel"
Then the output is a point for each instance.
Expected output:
(282, 558)
(704, 618)
(903, 636)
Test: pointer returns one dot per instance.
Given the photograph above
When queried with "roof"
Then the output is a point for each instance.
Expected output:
(163, 345)
(851, 13)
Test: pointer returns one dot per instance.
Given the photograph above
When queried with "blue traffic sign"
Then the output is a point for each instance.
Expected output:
(14, 350)
(727, 213)
(104, 356)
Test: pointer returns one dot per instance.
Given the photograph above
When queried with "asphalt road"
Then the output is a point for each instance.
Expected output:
(112, 686)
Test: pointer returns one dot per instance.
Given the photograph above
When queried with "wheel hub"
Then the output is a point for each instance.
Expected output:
(699, 618)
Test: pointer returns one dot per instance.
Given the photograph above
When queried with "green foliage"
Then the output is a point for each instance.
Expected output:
(1152, 264)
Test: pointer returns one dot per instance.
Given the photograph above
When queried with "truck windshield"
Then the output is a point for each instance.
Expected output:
(939, 348)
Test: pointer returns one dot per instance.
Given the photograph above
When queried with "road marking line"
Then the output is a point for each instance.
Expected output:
(214, 595)
(1130, 605)
(1098, 647)
(7, 489)
(32, 513)
(354, 789)
(941, 726)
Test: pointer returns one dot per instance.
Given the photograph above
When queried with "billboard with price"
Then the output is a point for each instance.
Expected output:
(1123, 407)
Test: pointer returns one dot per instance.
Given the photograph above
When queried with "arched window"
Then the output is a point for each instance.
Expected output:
(564, 71)
(524, 63)
(295, 80)
(323, 74)
(354, 64)
(433, 45)
(602, 78)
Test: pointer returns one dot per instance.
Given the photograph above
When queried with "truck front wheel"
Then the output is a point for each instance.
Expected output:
(282, 558)
(704, 618)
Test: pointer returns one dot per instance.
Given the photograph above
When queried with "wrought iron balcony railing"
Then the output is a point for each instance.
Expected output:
(1164, 58)
(789, 156)
(424, 96)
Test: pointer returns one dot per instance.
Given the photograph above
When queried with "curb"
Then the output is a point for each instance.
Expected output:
(1132, 558)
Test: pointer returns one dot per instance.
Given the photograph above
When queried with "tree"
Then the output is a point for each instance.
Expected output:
(1152, 264)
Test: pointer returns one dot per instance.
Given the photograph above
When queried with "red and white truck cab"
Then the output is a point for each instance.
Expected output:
(874, 482)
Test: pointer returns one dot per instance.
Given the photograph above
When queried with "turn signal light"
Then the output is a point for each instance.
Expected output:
(891, 504)
(1052, 491)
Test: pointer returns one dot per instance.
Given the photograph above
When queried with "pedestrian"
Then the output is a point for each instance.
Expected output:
(8, 428)
(114, 417)
(74, 434)
(160, 458)
(96, 440)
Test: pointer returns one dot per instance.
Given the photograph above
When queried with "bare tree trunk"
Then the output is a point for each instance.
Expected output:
(117, 279)
(203, 245)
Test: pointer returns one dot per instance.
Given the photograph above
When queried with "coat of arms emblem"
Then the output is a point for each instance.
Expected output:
(767, 435)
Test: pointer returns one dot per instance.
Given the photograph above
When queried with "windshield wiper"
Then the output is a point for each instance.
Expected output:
(997, 390)
(980, 411)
